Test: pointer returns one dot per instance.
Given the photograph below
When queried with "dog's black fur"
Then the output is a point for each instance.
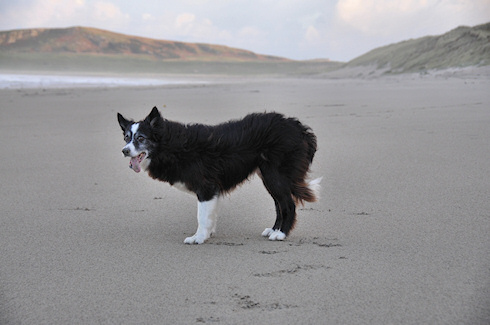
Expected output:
(213, 160)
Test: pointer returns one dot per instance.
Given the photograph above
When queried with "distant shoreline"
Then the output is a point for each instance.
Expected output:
(53, 80)
(38, 79)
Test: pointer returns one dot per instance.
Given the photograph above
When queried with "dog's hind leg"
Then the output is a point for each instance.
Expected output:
(277, 225)
(207, 215)
(288, 213)
(280, 189)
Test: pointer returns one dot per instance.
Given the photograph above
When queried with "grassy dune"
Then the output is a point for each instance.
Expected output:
(461, 47)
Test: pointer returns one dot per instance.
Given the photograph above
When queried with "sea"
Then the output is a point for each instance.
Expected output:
(44, 81)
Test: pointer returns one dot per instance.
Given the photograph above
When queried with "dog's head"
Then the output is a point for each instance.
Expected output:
(139, 137)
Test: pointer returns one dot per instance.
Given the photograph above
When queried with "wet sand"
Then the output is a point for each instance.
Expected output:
(400, 236)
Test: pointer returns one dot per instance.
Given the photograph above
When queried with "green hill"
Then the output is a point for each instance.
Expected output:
(83, 40)
(461, 47)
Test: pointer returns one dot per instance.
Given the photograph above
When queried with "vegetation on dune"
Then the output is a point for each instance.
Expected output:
(461, 47)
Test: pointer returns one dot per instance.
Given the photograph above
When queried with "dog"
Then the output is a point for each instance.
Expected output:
(210, 161)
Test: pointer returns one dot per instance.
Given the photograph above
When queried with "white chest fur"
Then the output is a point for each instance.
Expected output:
(182, 187)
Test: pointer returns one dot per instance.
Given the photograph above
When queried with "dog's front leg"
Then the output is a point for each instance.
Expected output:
(207, 214)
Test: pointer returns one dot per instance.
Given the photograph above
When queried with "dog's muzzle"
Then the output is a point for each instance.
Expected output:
(126, 152)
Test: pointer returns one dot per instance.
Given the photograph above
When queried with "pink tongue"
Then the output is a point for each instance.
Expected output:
(135, 164)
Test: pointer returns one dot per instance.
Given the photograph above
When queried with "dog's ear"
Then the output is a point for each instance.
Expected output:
(123, 122)
(154, 117)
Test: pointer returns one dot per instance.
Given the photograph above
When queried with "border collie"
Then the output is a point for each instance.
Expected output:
(210, 161)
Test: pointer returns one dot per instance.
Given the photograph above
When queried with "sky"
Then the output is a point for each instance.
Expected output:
(339, 30)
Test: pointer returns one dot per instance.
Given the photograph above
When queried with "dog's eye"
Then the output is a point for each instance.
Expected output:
(127, 138)
(140, 138)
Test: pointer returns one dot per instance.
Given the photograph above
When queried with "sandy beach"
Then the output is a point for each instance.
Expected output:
(400, 236)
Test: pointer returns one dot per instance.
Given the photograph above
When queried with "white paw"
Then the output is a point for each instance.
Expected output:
(267, 232)
(277, 235)
(196, 239)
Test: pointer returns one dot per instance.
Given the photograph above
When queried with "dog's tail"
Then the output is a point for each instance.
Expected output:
(309, 192)
(315, 187)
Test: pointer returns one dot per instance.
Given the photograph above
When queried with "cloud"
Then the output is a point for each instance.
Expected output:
(63, 13)
(312, 35)
(379, 16)
(184, 21)
(193, 28)
(38, 13)
(106, 11)
(147, 17)
(389, 17)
